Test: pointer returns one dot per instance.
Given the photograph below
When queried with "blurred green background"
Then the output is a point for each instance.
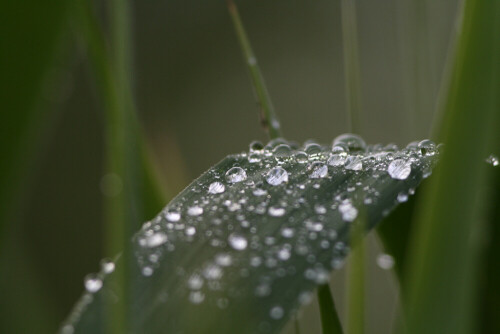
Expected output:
(196, 105)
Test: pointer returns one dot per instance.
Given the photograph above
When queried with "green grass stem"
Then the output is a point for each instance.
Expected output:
(351, 64)
(268, 116)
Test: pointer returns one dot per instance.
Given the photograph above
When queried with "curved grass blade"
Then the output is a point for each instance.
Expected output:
(330, 322)
(246, 244)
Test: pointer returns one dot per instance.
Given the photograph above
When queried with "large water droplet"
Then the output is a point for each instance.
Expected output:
(277, 176)
(195, 210)
(216, 188)
(237, 241)
(353, 163)
(236, 174)
(312, 148)
(427, 147)
(399, 169)
(92, 283)
(337, 159)
(353, 142)
(282, 150)
(318, 170)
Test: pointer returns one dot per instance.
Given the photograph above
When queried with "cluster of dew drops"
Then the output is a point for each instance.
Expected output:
(223, 208)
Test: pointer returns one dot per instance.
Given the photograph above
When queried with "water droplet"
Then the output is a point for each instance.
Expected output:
(427, 147)
(319, 209)
(223, 259)
(107, 266)
(254, 157)
(172, 215)
(318, 170)
(339, 148)
(337, 159)
(301, 157)
(353, 163)
(256, 146)
(276, 312)
(402, 197)
(195, 210)
(195, 282)
(353, 142)
(312, 148)
(282, 150)
(153, 240)
(399, 169)
(216, 188)
(348, 211)
(259, 192)
(284, 254)
(191, 230)
(147, 271)
(237, 241)
(287, 232)
(277, 176)
(493, 160)
(385, 261)
(196, 297)
(236, 174)
(92, 283)
(275, 211)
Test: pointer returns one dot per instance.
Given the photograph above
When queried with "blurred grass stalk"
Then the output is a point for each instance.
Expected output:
(419, 70)
(127, 161)
(356, 267)
(442, 267)
(268, 116)
(351, 64)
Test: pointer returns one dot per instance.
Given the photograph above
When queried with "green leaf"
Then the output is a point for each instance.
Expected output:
(246, 244)
(443, 255)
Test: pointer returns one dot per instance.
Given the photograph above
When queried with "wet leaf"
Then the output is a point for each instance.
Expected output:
(246, 244)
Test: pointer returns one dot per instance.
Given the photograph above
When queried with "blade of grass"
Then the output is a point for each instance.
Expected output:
(356, 272)
(419, 74)
(268, 117)
(351, 63)
(330, 322)
(31, 38)
(240, 262)
(30, 35)
(356, 280)
(443, 255)
(127, 158)
(120, 216)
(489, 299)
